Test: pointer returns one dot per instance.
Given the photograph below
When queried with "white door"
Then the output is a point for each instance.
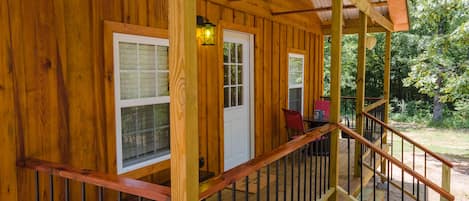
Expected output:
(237, 117)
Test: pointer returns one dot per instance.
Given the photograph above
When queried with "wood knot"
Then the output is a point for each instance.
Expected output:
(47, 63)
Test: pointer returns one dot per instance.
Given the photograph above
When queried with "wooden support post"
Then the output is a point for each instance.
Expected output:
(445, 180)
(386, 89)
(360, 101)
(336, 44)
(183, 108)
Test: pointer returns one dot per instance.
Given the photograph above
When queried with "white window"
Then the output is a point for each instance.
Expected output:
(142, 100)
(295, 82)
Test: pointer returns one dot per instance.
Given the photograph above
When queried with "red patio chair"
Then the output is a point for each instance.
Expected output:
(296, 127)
(323, 105)
(294, 123)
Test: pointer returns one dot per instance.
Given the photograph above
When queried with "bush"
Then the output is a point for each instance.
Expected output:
(421, 112)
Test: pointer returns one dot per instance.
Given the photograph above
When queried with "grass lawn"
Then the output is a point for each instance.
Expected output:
(451, 144)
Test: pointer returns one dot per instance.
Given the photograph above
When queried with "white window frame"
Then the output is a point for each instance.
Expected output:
(119, 104)
(296, 86)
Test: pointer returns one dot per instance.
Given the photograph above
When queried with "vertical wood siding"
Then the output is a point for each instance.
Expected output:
(272, 41)
(52, 95)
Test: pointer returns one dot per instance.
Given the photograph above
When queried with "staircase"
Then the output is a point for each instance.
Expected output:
(410, 182)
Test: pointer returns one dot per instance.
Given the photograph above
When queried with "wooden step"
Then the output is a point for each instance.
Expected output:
(368, 194)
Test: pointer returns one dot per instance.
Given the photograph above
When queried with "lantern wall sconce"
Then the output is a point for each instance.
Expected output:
(205, 31)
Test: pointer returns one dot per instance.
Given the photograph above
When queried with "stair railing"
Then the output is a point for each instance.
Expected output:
(370, 170)
(415, 147)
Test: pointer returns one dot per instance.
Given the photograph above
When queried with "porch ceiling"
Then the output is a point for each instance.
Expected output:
(393, 10)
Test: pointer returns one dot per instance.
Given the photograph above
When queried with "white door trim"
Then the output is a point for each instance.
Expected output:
(251, 93)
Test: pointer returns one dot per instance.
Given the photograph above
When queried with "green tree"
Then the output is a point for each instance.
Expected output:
(440, 70)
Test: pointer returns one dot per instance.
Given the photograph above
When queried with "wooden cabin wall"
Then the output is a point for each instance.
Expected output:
(272, 42)
(57, 78)
(52, 83)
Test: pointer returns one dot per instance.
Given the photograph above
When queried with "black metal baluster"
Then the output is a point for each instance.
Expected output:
(325, 165)
(425, 174)
(246, 190)
(258, 195)
(311, 172)
(67, 190)
(219, 196)
(305, 156)
(361, 172)
(268, 183)
(292, 182)
(285, 178)
(320, 167)
(83, 192)
(316, 147)
(101, 195)
(392, 148)
(276, 179)
(388, 194)
(141, 199)
(299, 175)
(374, 176)
(328, 147)
(233, 191)
(418, 188)
(348, 164)
(37, 186)
(51, 187)
(402, 185)
(413, 168)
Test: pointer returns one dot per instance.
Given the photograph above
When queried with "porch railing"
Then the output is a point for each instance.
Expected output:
(400, 143)
(55, 181)
(297, 174)
(382, 180)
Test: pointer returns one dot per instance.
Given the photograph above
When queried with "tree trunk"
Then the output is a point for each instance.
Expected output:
(437, 104)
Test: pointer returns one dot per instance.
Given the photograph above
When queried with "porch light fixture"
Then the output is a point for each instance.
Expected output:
(205, 31)
(370, 42)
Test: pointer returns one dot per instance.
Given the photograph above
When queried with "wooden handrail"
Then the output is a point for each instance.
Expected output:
(396, 162)
(443, 160)
(219, 183)
(374, 105)
(112, 182)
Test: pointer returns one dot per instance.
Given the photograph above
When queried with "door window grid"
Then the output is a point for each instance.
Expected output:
(142, 102)
(233, 74)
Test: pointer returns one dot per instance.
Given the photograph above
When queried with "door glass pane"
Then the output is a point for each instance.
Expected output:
(240, 75)
(240, 95)
(226, 97)
(233, 74)
(226, 52)
(233, 97)
(240, 53)
(232, 53)
(226, 74)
